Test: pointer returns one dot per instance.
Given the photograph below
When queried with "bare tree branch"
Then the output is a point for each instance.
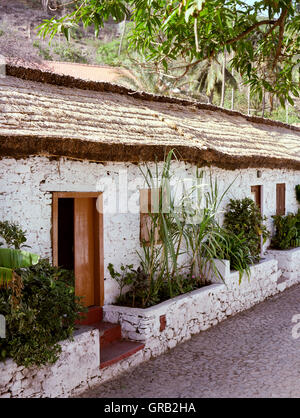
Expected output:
(249, 30)
(280, 38)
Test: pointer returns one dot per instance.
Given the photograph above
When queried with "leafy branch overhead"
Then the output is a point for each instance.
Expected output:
(263, 37)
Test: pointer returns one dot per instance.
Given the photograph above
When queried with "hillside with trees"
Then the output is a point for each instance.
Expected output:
(241, 60)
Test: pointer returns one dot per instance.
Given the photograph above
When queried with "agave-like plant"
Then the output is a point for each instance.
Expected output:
(188, 228)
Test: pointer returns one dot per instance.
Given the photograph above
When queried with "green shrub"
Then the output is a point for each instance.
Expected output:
(68, 52)
(13, 258)
(287, 231)
(43, 52)
(144, 292)
(235, 249)
(40, 308)
(13, 235)
(188, 229)
(243, 218)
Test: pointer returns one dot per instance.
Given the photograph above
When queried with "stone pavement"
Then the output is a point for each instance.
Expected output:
(252, 354)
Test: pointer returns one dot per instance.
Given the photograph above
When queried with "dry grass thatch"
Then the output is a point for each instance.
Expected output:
(48, 114)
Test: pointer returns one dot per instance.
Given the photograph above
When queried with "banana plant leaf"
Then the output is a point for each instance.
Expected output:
(5, 275)
(14, 259)
(11, 259)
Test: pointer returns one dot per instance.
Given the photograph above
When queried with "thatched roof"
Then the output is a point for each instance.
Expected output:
(48, 114)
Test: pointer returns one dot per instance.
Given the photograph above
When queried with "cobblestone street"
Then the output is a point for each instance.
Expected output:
(252, 354)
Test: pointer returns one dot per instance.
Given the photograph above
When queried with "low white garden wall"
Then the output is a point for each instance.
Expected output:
(289, 266)
(196, 311)
(159, 327)
(78, 363)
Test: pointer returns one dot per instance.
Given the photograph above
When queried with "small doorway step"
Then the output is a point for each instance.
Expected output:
(112, 347)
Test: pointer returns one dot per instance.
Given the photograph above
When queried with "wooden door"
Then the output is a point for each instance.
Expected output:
(280, 199)
(84, 249)
(87, 243)
(257, 194)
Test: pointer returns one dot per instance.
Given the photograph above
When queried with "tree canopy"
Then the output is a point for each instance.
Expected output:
(263, 37)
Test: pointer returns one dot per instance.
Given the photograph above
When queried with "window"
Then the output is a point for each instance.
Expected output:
(280, 199)
(149, 204)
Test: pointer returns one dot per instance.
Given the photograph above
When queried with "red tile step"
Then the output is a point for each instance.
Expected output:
(112, 347)
(118, 350)
(108, 333)
(94, 315)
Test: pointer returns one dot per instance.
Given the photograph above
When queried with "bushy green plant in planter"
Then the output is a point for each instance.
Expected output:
(13, 258)
(40, 308)
(37, 300)
(243, 218)
(287, 231)
(144, 293)
(235, 249)
(189, 228)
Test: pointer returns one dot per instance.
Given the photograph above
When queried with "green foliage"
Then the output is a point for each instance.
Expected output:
(244, 219)
(235, 249)
(68, 52)
(43, 52)
(208, 74)
(12, 234)
(1, 32)
(266, 49)
(125, 278)
(11, 259)
(297, 190)
(107, 53)
(40, 308)
(183, 226)
(112, 53)
(287, 231)
(15, 259)
(143, 292)
(279, 113)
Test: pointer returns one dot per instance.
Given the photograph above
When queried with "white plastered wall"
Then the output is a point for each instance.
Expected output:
(26, 186)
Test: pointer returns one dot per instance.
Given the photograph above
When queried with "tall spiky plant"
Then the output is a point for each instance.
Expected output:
(161, 258)
(203, 230)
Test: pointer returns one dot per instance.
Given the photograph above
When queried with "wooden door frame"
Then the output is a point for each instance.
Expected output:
(278, 206)
(260, 204)
(253, 191)
(54, 234)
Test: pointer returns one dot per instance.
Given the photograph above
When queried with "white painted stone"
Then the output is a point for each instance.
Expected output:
(26, 198)
(281, 287)
(78, 363)
(26, 186)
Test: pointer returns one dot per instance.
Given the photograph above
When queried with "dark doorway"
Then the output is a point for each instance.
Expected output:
(77, 238)
(257, 194)
(66, 233)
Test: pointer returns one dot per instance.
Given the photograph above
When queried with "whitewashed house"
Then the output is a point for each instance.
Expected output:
(70, 151)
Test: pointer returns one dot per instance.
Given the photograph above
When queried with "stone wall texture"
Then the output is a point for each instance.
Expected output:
(78, 364)
(288, 265)
(26, 187)
(197, 311)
